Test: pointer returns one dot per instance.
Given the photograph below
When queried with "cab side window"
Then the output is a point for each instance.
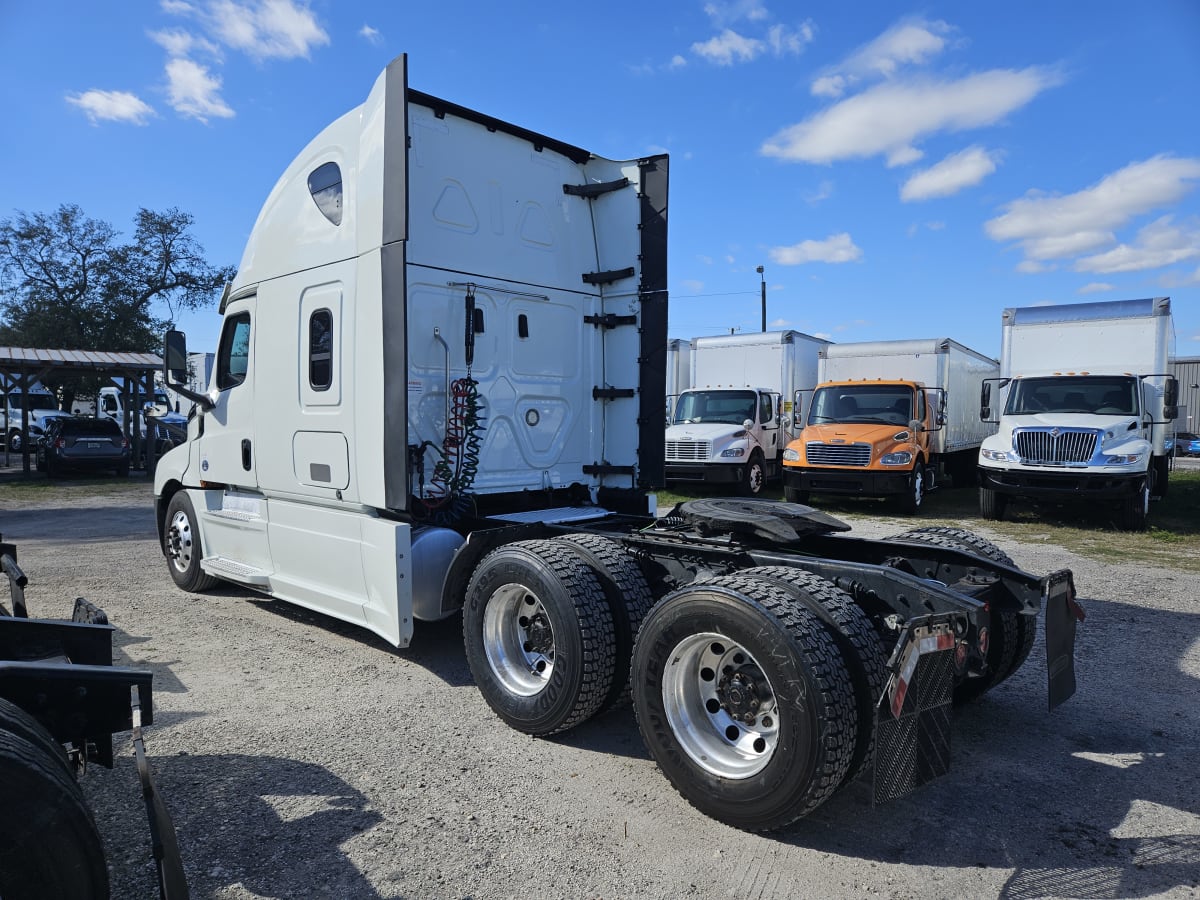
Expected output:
(233, 355)
(766, 412)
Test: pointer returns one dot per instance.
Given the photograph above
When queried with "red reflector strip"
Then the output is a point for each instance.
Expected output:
(931, 643)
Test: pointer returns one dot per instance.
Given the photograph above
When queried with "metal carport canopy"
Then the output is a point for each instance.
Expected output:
(20, 366)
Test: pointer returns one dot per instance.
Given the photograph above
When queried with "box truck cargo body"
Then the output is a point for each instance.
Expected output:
(438, 391)
(889, 418)
(679, 369)
(1084, 403)
(732, 425)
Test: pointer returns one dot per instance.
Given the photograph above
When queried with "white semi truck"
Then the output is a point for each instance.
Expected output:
(23, 410)
(1083, 404)
(438, 391)
(732, 425)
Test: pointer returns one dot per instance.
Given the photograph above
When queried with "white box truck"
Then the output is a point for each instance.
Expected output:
(1083, 405)
(679, 368)
(438, 391)
(889, 418)
(731, 426)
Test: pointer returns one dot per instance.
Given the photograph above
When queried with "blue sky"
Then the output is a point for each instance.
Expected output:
(898, 171)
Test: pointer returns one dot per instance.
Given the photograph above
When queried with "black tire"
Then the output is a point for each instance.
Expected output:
(914, 494)
(16, 721)
(183, 548)
(629, 600)
(49, 844)
(1134, 511)
(539, 636)
(862, 649)
(15, 441)
(754, 477)
(761, 770)
(992, 504)
(1011, 636)
(794, 495)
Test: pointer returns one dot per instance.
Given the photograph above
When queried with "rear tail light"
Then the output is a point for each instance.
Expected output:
(124, 443)
(60, 443)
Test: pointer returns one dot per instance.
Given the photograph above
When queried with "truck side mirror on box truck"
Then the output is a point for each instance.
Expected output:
(1171, 399)
(985, 401)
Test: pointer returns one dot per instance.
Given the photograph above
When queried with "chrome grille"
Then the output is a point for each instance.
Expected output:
(821, 454)
(1043, 446)
(688, 451)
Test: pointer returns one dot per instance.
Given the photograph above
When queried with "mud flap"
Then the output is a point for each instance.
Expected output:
(912, 721)
(1062, 614)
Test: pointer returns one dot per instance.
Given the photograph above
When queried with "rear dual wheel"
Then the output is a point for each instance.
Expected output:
(744, 700)
(1011, 635)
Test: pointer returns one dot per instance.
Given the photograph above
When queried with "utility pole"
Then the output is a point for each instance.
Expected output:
(763, 279)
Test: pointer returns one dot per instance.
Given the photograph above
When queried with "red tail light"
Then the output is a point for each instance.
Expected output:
(124, 443)
(60, 443)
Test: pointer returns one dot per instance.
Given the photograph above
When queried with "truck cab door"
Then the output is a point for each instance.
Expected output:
(226, 445)
(769, 425)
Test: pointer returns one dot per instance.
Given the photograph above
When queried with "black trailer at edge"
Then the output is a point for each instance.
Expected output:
(61, 701)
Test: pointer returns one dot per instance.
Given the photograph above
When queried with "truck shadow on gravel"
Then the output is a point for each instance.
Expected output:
(272, 827)
(75, 524)
(1097, 799)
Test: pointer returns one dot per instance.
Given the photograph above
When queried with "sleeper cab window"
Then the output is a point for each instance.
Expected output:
(325, 185)
(320, 350)
(233, 356)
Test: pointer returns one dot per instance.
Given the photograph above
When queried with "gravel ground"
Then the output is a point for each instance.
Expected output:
(304, 758)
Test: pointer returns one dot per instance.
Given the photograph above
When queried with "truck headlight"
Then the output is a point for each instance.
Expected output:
(998, 455)
(790, 455)
(903, 458)
(1124, 459)
(734, 451)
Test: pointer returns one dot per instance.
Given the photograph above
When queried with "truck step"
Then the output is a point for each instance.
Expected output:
(232, 570)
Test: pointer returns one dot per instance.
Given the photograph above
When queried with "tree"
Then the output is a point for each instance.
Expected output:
(66, 282)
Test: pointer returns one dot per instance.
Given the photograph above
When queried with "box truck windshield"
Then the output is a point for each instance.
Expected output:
(1094, 394)
(726, 407)
(885, 404)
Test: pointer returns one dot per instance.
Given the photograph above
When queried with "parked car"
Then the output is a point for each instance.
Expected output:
(1187, 443)
(85, 444)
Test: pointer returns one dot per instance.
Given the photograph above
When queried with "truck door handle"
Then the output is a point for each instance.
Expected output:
(246, 454)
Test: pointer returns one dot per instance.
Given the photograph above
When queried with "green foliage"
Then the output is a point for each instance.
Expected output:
(67, 282)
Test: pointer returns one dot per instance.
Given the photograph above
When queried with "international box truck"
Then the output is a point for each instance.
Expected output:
(1083, 403)
(889, 418)
(731, 426)
(438, 392)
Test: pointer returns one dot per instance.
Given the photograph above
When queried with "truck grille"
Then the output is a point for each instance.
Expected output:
(820, 454)
(688, 451)
(1054, 446)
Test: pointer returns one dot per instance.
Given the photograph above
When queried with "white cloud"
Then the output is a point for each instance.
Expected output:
(1061, 226)
(837, 248)
(677, 62)
(1033, 267)
(178, 42)
(112, 106)
(194, 93)
(823, 192)
(267, 29)
(785, 41)
(1096, 287)
(728, 47)
(954, 173)
(1159, 244)
(370, 35)
(692, 285)
(906, 43)
(731, 11)
(887, 119)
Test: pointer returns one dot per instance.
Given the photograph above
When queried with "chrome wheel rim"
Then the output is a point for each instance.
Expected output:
(180, 542)
(518, 640)
(720, 706)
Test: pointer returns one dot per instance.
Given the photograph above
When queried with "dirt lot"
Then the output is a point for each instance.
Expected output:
(303, 758)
